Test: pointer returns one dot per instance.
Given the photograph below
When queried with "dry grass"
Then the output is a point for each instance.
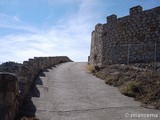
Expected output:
(111, 80)
(142, 84)
(90, 68)
(130, 88)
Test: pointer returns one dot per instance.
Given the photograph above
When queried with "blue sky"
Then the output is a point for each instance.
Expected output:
(31, 28)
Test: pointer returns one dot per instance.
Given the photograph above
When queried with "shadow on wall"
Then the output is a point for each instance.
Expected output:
(28, 109)
(3, 110)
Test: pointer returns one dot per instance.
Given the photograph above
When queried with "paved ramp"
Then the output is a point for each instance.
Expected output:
(70, 93)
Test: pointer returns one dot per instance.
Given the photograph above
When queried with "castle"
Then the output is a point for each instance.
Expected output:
(131, 39)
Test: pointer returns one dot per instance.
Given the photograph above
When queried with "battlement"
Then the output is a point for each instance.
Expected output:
(98, 26)
(136, 10)
(112, 18)
(129, 39)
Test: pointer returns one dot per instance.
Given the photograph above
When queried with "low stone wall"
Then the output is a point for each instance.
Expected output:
(16, 79)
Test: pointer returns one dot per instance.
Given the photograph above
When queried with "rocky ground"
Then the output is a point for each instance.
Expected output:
(11, 67)
(141, 81)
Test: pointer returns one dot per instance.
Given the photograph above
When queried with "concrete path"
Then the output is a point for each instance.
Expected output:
(70, 93)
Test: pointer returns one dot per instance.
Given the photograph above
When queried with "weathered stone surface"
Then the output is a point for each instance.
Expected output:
(130, 39)
(8, 94)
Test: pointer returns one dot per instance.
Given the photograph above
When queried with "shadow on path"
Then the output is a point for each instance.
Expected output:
(28, 109)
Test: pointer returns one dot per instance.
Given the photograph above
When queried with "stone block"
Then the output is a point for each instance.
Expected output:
(25, 71)
(8, 82)
(135, 10)
(112, 18)
(9, 98)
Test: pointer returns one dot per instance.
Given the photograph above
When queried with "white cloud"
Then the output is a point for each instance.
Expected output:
(71, 37)
(14, 22)
(16, 18)
(18, 48)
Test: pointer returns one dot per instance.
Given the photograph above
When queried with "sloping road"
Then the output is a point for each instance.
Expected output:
(70, 93)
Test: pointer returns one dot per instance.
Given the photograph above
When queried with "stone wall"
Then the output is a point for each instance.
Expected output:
(131, 39)
(16, 79)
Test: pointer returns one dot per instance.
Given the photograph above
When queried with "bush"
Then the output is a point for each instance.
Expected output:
(90, 68)
(112, 80)
(141, 83)
(130, 88)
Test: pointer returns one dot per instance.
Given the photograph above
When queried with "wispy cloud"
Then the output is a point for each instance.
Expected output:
(70, 36)
(14, 22)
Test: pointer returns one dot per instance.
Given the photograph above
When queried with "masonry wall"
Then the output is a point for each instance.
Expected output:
(15, 86)
(131, 39)
(96, 46)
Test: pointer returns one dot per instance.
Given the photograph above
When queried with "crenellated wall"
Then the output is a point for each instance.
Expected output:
(16, 79)
(131, 39)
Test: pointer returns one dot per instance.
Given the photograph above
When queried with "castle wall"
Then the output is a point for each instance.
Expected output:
(131, 39)
(15, 86)
(96, 46)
